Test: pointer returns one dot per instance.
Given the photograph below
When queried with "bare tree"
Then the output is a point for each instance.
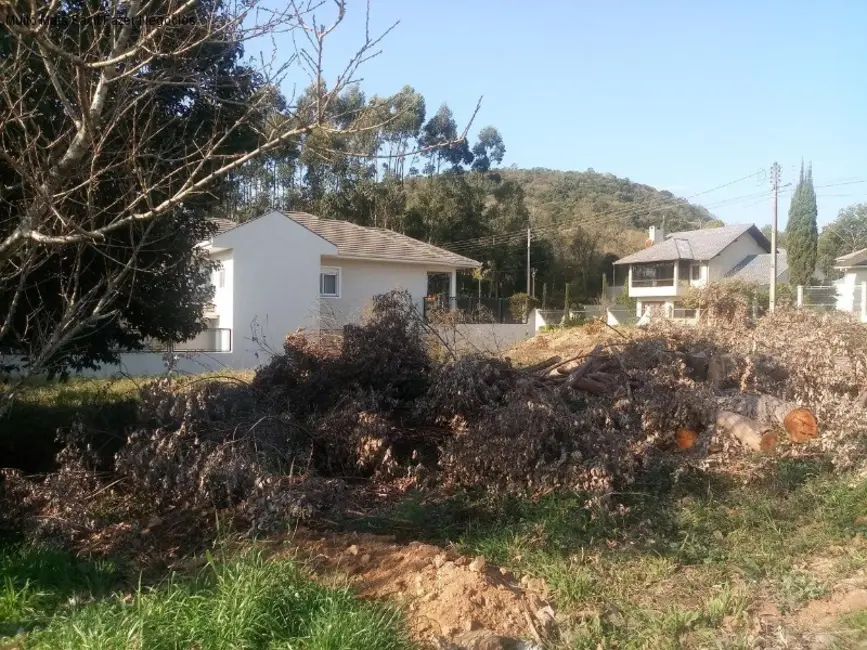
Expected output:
(118, 114)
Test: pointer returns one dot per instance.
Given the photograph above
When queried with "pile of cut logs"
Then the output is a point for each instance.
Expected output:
(753, 419)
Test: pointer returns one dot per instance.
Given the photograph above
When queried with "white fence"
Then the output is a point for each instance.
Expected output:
(837, 297)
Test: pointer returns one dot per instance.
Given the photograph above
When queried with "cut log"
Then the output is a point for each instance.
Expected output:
(588, 385)
(685, 438)
(542, 365)
(607, 380)
(799, 422)
(801, 425)
(750, 433)
(588, 364)
(558, 367)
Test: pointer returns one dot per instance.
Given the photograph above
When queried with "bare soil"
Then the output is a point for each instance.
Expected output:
(449, 600)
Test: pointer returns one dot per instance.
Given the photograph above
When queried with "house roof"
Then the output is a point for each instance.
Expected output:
(362, 242)
(224, 225)
(698, 245)
(757, 268)
(858, 258)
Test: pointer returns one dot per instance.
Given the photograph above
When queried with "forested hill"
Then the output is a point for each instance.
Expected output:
(456, 194)
(599, 200)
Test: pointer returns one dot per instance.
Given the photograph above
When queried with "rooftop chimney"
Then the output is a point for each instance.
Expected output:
(655, 234)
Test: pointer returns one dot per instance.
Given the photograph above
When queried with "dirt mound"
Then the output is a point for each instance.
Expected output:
(450, 600)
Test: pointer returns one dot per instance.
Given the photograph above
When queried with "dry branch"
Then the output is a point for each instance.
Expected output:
(543, 365)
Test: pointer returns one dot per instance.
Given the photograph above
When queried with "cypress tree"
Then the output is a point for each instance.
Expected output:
(802, 233)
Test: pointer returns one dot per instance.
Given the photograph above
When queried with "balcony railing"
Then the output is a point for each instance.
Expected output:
(653, 282)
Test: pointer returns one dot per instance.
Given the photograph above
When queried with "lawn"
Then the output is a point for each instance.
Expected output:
(49, 600)
(691, 564)
(42, 409)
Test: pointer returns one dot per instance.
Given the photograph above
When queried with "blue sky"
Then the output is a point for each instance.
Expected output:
(681, 95)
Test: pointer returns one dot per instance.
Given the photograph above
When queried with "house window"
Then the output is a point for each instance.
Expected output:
(221, 278)
(329, 283)
(695, 272)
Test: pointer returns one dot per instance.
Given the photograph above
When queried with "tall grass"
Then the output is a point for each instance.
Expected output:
(245, 602)
(36, 582)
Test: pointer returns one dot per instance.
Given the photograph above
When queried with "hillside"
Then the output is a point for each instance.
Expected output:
(603, 202)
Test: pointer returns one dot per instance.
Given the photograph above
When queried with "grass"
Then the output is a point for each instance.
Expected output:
(684, 567)
(246, 601)
(107, 406)
(36, 582)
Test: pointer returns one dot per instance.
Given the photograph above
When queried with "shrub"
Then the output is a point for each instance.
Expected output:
(520, 305)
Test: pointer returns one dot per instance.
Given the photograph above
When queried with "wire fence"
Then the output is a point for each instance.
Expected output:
(473, 309)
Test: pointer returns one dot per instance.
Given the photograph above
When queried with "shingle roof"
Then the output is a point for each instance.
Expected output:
(695, 244)
(757, 268)
(858, 258)
(224, 225)
(356, 241)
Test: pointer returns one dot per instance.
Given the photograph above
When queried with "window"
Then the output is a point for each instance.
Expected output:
(329, 283)
(695, 272)
(221, 278)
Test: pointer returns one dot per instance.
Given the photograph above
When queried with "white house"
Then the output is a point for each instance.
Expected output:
(288, 270)
(852, 287)
(662, 273)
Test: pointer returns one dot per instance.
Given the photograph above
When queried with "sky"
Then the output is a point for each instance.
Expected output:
(680, 95)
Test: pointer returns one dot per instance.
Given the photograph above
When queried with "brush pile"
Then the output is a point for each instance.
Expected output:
(377, 409)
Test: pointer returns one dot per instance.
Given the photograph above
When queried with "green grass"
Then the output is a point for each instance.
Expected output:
(108, 407)
(37, 582)
(246, 601)
(684, 567)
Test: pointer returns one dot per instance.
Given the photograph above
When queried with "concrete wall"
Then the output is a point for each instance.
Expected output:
(490, 338)
(732, 255)
(361, 281)
(275, 283)
(150, 364)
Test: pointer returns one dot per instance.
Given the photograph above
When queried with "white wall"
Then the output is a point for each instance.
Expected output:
(732, 255)
(849, 290)
(702, 280)
(223, 297)
(490, 338)
(144, 364)
(361, 281)
(275, 283)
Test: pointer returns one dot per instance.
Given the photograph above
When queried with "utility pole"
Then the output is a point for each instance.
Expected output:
(533, 295)
(529, 286)
(775, 186)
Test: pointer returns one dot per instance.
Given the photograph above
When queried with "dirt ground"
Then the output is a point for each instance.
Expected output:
(454, 602)
(449, 600)
(566, 343)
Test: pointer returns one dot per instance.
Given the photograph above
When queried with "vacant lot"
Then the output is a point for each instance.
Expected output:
(699, 564)
(368, 496)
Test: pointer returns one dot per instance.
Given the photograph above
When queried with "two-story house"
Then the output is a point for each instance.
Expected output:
(662, 273)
